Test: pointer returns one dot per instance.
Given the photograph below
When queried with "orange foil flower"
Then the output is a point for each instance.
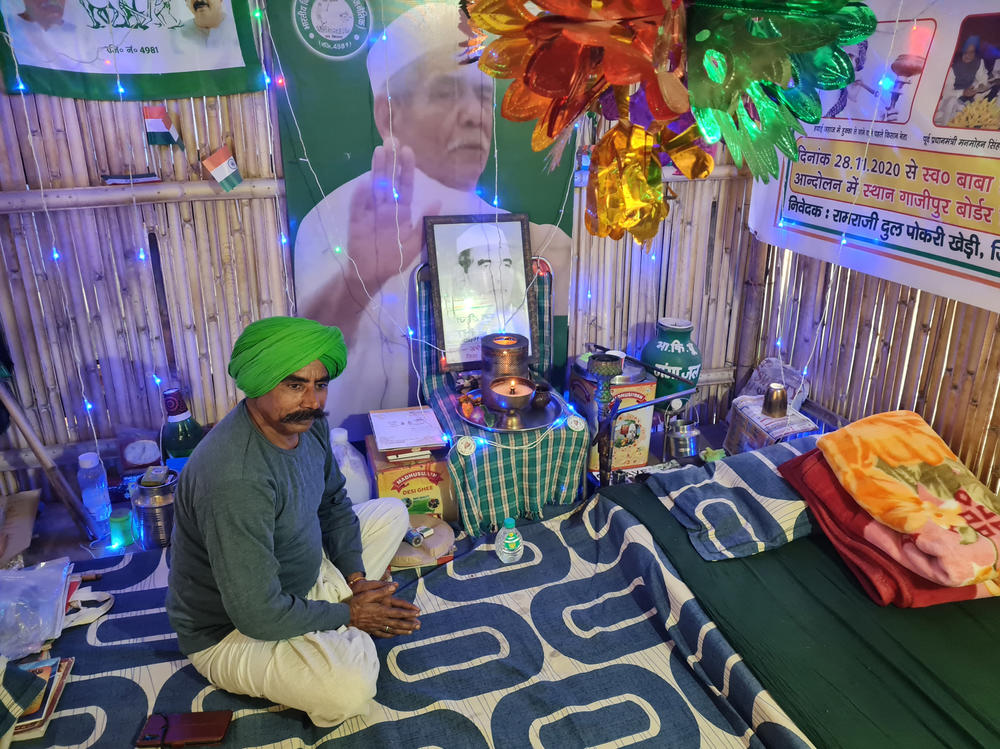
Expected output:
(564, 58)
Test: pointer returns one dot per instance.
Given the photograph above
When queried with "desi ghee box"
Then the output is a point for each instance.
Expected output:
(631, 430)
(423, 485)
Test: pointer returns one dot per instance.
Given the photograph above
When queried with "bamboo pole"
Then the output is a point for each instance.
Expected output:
(58, 482)
(983, 400)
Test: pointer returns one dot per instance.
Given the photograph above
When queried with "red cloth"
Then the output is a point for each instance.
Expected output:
(843, 521)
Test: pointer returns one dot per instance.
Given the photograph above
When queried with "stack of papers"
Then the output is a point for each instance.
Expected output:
(406, 430)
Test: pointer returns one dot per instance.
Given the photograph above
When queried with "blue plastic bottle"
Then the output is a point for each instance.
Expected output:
(94, 489)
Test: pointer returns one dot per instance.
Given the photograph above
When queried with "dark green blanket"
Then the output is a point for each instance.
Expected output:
(848, 672)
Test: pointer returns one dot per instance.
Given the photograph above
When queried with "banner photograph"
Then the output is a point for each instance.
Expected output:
(901, 178)
(382, 126)
(143, 49)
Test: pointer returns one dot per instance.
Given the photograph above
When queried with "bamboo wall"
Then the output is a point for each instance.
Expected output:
(93, 326)
(692, 270)
(878, 346)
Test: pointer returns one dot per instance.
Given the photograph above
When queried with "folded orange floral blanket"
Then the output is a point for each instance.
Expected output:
(903, 474)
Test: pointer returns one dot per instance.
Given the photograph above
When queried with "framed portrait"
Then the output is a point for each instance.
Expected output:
(481, 277)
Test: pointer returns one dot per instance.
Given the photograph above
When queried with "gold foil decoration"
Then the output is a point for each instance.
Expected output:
(625, 192)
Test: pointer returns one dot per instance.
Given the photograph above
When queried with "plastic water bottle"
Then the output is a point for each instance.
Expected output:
(94, 488)
(352, 464)
(509, 544)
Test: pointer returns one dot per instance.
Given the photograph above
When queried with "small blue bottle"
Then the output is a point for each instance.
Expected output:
(93, 483)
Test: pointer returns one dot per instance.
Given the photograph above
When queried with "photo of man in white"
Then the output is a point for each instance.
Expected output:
(203, 28)
(364, 239)
(40, 34)
(486, 293)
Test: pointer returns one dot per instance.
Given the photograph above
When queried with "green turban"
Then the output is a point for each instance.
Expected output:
(269, 350)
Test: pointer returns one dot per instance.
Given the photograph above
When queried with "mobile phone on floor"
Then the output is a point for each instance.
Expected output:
(184, 729)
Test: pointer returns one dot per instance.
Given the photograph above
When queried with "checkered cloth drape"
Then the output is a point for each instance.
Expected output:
(511, 474)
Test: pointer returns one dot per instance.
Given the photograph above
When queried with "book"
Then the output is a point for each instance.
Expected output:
(33, 727)
(406, 429)
(43, 670)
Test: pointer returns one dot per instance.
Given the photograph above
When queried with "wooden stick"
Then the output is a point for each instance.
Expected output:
(58, 482)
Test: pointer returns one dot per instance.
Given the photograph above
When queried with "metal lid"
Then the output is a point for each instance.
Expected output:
(675, 324)
(154, 496)
(631, 373)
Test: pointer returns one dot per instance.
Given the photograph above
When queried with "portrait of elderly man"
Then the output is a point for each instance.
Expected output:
(435, 119)
(268, 588)
(40, 34)
(486, 287)
(203, 27)
(967, 80)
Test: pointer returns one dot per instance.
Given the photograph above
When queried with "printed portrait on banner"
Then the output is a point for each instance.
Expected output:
(409, 131)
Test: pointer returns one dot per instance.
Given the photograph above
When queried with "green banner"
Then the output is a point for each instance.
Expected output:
(382, 126)
(128, 49)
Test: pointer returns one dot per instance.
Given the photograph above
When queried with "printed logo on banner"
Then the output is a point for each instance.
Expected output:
(334, 29)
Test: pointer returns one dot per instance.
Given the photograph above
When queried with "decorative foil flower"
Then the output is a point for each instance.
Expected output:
(564, 58)
(755, 68)
(625, 191)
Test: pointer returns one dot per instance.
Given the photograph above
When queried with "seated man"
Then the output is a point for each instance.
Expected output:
(267, 588)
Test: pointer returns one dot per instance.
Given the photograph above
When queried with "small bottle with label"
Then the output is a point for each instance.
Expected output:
(509, 545)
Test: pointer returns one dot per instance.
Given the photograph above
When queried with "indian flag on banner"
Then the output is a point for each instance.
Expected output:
(223, 167)
(160, 131)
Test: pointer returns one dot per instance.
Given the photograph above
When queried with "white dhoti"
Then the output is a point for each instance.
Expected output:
(328, 674)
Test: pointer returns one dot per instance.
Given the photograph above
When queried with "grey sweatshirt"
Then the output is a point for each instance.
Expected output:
(251, 522)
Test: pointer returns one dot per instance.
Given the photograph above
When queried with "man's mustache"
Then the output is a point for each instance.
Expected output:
(201, 4)
(297, 416)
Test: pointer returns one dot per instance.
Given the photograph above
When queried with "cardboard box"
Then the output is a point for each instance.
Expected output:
(423, 485)
(631, 430)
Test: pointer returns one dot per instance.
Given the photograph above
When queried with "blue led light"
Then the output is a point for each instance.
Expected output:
(395, 193)
(88, 405)
(156, 380)
(843, 239)
(652, 256)
(383, 36)
(779, 343)
(480, 440)
(781, 224)
(20, 85)
(588, 293)
(409, 332)
(142, 253)
(55, 254)
(120, 89)
(886, 82)
(267, 79)
(284, 239)
(496, 200)
(805, 370)
(446, 437)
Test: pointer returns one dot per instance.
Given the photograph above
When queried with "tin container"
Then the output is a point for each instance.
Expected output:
(682, 437)
(153, 512)
(631, 430)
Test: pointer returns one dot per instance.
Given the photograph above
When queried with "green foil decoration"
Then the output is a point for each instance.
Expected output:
(756, 67)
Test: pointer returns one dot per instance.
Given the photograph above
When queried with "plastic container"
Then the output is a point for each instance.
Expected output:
(352, 464)
(93, 483)
(509, 544)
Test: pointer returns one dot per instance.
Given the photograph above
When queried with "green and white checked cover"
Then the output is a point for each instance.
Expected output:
(510, 474)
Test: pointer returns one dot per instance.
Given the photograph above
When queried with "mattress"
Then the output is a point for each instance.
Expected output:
(848, 672)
